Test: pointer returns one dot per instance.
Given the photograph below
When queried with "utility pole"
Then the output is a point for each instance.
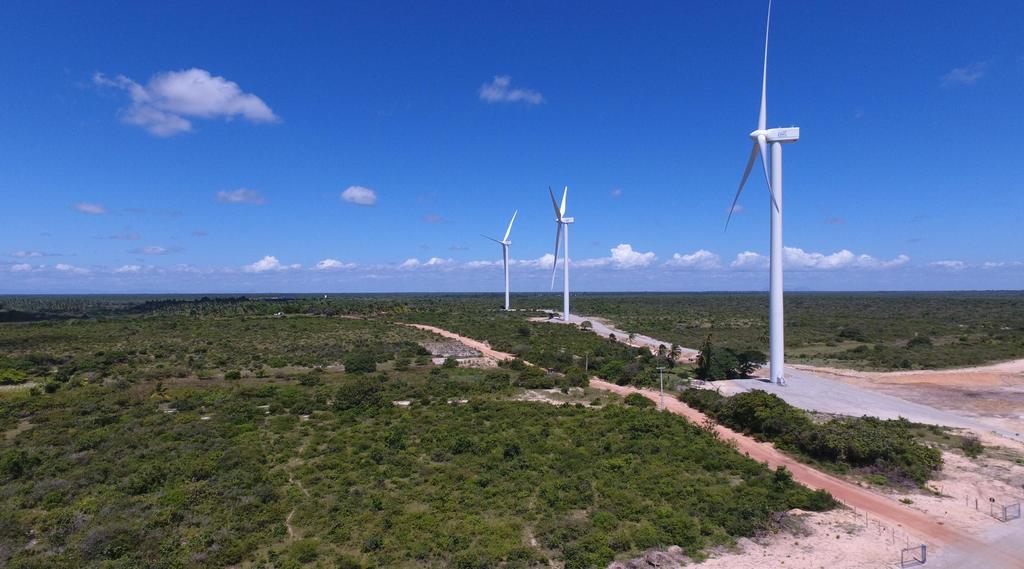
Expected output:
(661, 381)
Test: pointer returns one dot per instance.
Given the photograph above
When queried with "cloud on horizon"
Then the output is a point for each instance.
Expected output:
(269, 263)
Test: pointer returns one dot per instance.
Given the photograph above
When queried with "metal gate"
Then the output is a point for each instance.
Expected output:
(914, 556)
(1007, 512)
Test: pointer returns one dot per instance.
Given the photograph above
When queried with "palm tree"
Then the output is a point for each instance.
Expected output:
(662, 350)
(675, 351)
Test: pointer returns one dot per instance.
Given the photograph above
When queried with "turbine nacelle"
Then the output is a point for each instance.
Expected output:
(566, 220)
(790, 134)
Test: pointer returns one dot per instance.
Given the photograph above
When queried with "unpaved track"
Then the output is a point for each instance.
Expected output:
(930, 531)
(482, 347)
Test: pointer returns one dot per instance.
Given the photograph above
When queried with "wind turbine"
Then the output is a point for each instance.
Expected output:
(504, 252)
(561, 221)
(762, 137)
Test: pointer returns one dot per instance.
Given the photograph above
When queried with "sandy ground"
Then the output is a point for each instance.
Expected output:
(827, 540)
(994, 392)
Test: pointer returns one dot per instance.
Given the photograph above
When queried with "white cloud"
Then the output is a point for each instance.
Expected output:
(623, 256)
(798, 259)
(616, 192)
(269, 263)
(738, 208)
(359, 195)
(21, 268)
(90, 208)
(241, 195)
(165, 105)
(413, 262)
(1001, 264)
(951, 265)
(542, 262)
(482, 264)
(967, 75)
(700, 259)
(500, 91)
(152, 250)
(128, 269)
(749, 260)
(27, 254)
(63, 267)
(433, 218)
(333, 265)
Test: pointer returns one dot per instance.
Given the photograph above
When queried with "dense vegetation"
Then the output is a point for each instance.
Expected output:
(885, 330)
(324, 468)
(868, 444)
(862, 330)
(156, 346)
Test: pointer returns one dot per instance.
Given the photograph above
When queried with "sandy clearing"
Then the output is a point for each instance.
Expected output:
(1000, 374)
(483, 347)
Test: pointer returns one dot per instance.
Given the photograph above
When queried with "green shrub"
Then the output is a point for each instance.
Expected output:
(233, 374)
(304, 550)
(360, 362)
(971, 446)
(637, 400)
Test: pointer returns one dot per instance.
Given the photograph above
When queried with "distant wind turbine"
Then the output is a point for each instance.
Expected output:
(504, 252)
(561, 221)
(776, 137)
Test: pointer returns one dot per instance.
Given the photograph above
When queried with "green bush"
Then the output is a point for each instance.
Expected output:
(360, 362)
(887, 448)
(637, 400)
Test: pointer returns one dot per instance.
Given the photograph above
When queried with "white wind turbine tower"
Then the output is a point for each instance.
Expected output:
(762, 137)
(562, 221)
(504, 252)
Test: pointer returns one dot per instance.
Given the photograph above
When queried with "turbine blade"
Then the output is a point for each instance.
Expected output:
(762, 117)
(491, 238)
(509, 230)
(564, 192)
(762, 144)
(554, 263)
(743, 180)
(558, 213)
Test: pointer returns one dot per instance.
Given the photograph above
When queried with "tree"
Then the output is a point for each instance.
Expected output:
(705, 357)
(360, 362)
(662, 350)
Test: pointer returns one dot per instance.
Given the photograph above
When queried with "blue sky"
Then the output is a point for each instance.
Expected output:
(173, 147)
